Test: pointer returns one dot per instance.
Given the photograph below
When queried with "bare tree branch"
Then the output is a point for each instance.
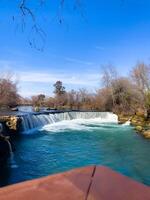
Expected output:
(37, 35)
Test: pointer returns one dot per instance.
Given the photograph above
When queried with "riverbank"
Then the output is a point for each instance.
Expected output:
(139, 121)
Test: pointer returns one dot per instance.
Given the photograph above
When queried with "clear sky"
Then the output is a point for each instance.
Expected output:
(99, 32)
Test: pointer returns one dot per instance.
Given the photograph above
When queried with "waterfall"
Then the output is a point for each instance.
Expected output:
(10, 147)
(12, 161)
(6, 138)
(31, 122)
(127, 123)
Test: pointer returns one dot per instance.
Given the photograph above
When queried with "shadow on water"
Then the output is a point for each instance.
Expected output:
(4, 174)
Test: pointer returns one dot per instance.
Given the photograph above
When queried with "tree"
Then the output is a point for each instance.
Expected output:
(147, 102)
(50, 102)
(41, 99)
(71, 99)
(25, 101)
(119, 93)
(9, 96)
(103, 100)
(140, 76)
(85, 99)
(59, 88)
(37, 35)
(38, 100)
(125, 95)
(60, 94)
(109, 74)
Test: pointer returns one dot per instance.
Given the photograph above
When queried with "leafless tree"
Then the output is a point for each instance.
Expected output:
(71, 99)
(125, 95)
(140, 75)
(37, 34)
(109, 74)
(9, 96)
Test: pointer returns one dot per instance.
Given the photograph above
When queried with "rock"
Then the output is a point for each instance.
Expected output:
(36, 109)
(138, 121)
(122, 119)
(140, 112)
(10, 121)
(134, 122)
(146, 134)
(120, 122)
(139, 128)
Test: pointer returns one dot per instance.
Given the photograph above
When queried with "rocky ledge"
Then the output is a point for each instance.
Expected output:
(9, 127)
(139, 121)
(10, 123)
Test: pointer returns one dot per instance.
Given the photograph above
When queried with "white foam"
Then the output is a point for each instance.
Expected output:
(76, 124)
(66, 120)
(127, 123)
(65, 125)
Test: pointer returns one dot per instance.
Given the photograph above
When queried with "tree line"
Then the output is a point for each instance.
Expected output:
(118, 94)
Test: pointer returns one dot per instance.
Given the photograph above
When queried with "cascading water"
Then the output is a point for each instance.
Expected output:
(10, 147)
(127, 123)
(34, 121)
(12, 161)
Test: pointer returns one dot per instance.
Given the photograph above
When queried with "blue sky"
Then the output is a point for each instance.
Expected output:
(110, 31)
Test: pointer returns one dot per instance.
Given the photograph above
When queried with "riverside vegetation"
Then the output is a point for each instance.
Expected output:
(128, 97)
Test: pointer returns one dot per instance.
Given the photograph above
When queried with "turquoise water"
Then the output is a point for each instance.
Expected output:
(70, 144)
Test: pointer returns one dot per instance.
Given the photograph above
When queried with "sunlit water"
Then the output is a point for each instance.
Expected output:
(69, 144)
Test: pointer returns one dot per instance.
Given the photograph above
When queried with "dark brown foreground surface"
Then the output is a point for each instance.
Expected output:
(89, 183)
